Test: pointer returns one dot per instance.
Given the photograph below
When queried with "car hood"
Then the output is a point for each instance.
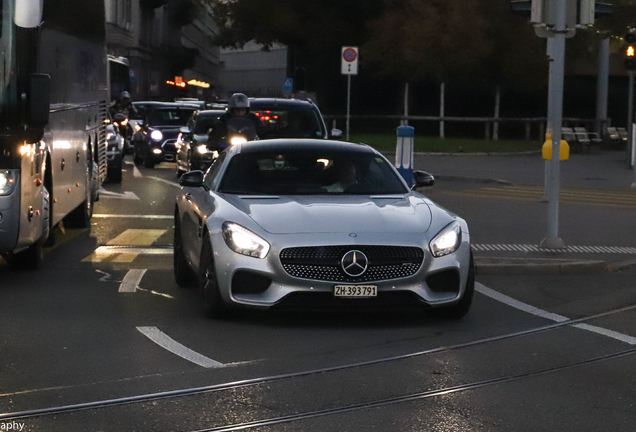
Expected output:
(339, 214)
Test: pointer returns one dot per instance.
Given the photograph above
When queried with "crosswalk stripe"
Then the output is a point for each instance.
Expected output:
(119, 250)
(137, 237)
(568, 249)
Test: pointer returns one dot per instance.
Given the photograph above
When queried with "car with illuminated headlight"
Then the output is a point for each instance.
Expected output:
(192, 143)
(317, 223)
(159, 134)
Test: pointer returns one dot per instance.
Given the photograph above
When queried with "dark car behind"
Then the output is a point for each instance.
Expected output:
(159, 134)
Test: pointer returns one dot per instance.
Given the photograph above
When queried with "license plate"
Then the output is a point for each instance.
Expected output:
(355, 291)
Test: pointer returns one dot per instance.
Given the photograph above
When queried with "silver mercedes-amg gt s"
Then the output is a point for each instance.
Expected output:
(315, 223)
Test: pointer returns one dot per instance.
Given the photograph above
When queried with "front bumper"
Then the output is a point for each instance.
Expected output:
(413, 290)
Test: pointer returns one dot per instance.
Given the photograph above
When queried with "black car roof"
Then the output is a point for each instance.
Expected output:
(307, 145)
(211, 113)
(282, 103)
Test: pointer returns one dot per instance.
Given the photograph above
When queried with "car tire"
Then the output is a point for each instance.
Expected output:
(148, 162)
(183, 274)
(460, 309)
(213, 305)
(114, 174)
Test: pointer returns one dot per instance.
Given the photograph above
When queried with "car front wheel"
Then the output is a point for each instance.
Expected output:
(213, 305)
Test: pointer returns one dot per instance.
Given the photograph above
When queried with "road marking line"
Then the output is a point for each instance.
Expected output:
(165, 181)
(136, 172)
(551, 316)
(126, 195)
(131, 280)
(124, 216)
(137, 237)
(166, 342)
(568, 249)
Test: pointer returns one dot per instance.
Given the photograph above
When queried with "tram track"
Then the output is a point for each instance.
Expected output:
(51, 411)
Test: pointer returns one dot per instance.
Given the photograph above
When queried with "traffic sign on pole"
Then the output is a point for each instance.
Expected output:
(288, 85)
(349, 61)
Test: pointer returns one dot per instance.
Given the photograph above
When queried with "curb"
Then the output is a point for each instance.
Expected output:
(621, 265)
(516, 266)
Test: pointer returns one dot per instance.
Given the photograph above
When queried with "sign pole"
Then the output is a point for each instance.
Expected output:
(348, 104)
(630, 119)
(555, 119)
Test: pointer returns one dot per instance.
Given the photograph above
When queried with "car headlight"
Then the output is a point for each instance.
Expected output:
(243, 241)
(156, 151)
(156, 135)
(203, 149)
(237, 140)
(8, 181)
(447, 240)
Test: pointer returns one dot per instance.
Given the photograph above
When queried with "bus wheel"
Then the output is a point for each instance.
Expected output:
(81, 216)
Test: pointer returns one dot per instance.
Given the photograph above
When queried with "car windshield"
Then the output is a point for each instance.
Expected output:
(205, 123)
(170, 117)
(289, 123)
(310, 173)
(143, 109)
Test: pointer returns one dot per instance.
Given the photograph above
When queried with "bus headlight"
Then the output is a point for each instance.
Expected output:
(8, 181)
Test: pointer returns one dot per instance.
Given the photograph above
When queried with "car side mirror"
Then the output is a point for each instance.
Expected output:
(422, 179)
(336, 134)
(192, 179)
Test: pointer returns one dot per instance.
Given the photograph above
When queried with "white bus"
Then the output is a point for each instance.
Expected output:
(53, 102)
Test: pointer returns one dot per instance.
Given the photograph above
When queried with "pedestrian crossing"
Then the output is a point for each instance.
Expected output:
(597, 197)
(128, 245)
(483, 247)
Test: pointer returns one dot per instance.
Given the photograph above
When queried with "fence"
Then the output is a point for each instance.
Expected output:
(491, 124)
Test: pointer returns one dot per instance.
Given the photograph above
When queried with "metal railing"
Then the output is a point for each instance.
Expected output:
(490, 123)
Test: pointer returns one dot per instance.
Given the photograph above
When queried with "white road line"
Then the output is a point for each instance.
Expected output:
(131, 280)
(124, 216)
(551, 316)
(136, 172)
(165, 181)
(166, 342)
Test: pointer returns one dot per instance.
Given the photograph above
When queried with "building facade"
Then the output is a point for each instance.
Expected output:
(167, 44)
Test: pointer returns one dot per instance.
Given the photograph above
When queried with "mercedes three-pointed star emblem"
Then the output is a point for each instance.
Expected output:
(354, 263)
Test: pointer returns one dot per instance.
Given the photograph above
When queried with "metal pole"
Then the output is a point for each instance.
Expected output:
(630, 119)
(546, 181)
(348, 103)
(406, 104)
(602, 86)
(495, 127)
(441, 110)
(555, 116)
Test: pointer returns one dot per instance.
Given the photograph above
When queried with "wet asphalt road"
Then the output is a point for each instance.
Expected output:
(536, 352)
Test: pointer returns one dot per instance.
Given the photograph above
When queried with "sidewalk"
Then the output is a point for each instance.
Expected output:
(604, 171)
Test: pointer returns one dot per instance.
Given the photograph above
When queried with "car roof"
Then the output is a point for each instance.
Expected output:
(303, 145)
(210, 113)
(282, 103)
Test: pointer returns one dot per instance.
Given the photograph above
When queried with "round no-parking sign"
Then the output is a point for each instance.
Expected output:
(349, 61)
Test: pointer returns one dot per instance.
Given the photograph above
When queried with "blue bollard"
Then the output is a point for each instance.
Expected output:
(404, 153)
